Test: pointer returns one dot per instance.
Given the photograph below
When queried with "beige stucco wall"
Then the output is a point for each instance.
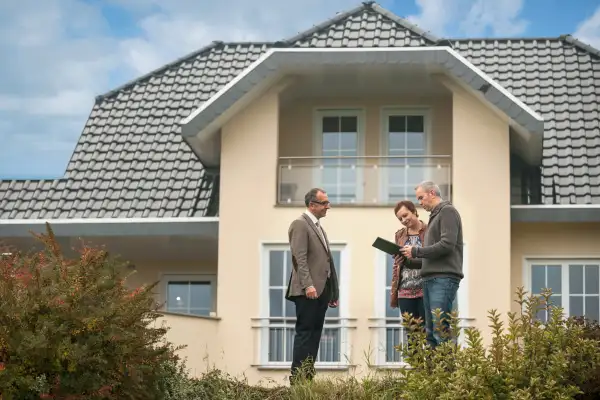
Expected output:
(250, 148)
(296, 121)
(199, 335)
(550, 240)
(481, 193)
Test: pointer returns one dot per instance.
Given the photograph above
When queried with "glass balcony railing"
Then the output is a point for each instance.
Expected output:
(367, 180)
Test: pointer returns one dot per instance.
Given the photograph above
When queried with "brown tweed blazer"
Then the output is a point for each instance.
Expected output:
(311, 260)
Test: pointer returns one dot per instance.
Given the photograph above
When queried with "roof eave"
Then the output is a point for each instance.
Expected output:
(567, 213)
(200, 128)
(116, 227)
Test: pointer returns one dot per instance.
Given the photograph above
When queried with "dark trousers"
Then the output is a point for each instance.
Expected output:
(412, 306)
(310, 317)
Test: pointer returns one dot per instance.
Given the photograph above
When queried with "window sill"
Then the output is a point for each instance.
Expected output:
(342, 205)
(391, 366)
(190, 315)
(318, 367)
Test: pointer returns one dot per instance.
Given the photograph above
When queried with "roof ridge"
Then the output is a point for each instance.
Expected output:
(568, 38)
(578, 43)
(328, 22)
(365, 5)
(489, 38)
(406, 23)
(214, 44)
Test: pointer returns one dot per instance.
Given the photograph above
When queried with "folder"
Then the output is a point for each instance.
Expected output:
(386, 246)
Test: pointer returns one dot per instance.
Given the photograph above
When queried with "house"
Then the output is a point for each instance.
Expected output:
(194, 172)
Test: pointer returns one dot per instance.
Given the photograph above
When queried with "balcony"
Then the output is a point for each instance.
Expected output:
(361, 181)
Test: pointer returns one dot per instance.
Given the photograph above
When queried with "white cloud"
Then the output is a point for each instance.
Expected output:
(476, 18)
(588, 31)
(62, 53)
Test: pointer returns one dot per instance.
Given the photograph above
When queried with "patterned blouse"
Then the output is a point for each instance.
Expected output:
(411, 283)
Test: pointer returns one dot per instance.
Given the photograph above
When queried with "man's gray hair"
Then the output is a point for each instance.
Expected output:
(428, 186)
(311, 195)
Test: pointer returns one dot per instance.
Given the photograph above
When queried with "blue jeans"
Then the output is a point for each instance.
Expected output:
(438, 293)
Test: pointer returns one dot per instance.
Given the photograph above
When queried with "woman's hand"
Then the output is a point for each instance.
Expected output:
(398, 259)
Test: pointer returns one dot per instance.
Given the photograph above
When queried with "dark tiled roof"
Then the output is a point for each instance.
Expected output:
(366, 26)
(560, 79)
(130, 160)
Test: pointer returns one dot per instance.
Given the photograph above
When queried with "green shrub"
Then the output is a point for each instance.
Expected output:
(526, 359)
(71, 329)
(589, 385)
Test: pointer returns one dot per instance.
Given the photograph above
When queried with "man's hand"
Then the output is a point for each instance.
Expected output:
(334, 304)
(407, 252)
(398, 258)
(311, 292)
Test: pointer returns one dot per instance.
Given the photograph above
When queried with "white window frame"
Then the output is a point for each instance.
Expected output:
(380, 325)
(385, 113)
(564, 262)
(343, 319)
(318, 114)
(170, 277)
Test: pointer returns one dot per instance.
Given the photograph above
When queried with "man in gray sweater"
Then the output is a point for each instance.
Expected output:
(442, 255)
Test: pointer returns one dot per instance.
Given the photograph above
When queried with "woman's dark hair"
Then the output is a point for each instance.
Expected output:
(410, 206)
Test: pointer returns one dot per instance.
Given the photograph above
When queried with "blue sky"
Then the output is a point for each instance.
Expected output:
(59, 54)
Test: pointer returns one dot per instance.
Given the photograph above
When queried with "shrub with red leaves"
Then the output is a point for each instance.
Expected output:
(71, 329)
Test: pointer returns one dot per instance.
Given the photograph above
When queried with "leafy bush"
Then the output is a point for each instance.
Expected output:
(71, 329)
(591, 385)
(526, 359)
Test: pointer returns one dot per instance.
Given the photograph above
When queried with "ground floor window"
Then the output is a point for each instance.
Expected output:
(190, 294)
(390, 332)
(575, 285)
(279, 314)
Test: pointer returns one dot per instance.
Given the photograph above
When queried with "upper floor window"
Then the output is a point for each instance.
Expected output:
(405, 142)
(338, 141)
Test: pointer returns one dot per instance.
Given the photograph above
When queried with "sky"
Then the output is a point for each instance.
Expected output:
(57, 55)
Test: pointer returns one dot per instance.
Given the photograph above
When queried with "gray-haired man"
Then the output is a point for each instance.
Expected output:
(442, 255)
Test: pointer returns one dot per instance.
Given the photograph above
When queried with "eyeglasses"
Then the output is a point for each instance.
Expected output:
(323, 203)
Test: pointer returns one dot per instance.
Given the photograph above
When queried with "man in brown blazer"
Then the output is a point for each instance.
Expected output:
(313, 284)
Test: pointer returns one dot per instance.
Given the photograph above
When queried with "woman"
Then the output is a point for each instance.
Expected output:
(407, 285)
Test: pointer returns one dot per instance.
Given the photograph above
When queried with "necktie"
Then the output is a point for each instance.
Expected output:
(324, 242)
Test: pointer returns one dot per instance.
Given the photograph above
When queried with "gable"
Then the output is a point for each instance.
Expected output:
(131, 161)
(366, 26)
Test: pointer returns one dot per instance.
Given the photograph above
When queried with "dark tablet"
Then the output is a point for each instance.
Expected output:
(386, 246)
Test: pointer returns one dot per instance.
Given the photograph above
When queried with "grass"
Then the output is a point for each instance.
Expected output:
(216, 384)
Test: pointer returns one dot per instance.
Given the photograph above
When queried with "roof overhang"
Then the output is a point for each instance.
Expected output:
(201, 128)
(556, 213)
(200, 226)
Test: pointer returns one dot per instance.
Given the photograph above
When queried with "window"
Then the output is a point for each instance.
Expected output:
(390, 332)
(404, 140)
(395, 334)
(575, 285)
(339, 135)
(279, 314)
(190, 294)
